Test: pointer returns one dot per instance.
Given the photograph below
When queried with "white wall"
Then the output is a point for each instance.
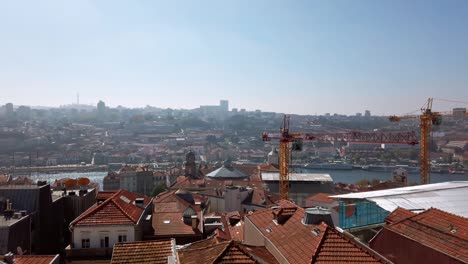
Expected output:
(95, 233)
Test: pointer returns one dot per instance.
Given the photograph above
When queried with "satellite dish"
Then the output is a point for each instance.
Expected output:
(19, 250)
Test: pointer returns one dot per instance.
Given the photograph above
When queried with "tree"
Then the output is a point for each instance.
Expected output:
(158, 189)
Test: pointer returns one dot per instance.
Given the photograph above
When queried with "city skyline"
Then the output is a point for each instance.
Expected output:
(302, 57)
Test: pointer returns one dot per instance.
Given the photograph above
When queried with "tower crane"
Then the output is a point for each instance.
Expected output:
(428, 118)
(285, 137)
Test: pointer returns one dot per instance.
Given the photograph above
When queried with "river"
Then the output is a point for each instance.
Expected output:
(345, 176)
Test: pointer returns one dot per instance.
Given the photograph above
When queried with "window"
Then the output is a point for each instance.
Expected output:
(85, 243)
(105, 242)
(122, 238)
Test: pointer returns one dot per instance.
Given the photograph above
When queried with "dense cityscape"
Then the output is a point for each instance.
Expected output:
(233, 132)
(199, 185)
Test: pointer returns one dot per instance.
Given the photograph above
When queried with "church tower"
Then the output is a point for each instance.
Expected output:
(190, 166)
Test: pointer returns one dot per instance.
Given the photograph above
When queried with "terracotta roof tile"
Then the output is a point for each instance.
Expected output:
(117, 210)
(224, 252)
(171, 224)
(398, 215)
(143, 252)
(336, 248)
(31, 259)
(434, 228)
(321, 197)
(104, 195)
(300, 243)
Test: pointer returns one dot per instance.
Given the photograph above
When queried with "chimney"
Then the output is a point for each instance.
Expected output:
(314, 216)
(140, 202)
(194, 222)
(9, 258)
(282, 214)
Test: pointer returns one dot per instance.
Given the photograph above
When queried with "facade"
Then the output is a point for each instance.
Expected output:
(46, 218)
(301, 185)
(240, 199)
(121, 218)
(111, 181)
(15, 231)
(138, 179)
(370, 208)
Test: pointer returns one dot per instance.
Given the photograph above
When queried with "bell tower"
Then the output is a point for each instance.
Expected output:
(190, 165)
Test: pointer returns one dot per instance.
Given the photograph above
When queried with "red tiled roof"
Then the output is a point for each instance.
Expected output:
(143, 252)
(321, 197)
(237, 231)
(104, 195)
(224, 252)
(336, 248)
(398, 215)
(436, 229)
(120, 209)
(302, 245)
(31, 259)
(171, 224)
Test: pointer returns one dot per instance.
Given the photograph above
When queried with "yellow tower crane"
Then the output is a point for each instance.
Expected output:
(285, 137)
(428, 118)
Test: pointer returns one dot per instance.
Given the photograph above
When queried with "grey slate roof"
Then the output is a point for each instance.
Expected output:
(227, 172)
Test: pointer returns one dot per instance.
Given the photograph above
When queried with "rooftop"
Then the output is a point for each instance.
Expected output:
(398, 215)
(302, 177)
(144, 252)
(223, 252)
(321, 197)
(447, 196)
(227, 172)
(31, 259)
(436, 229)
(119, 209)
(308, 243)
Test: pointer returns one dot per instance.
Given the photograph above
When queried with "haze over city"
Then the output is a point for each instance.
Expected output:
(303, 57)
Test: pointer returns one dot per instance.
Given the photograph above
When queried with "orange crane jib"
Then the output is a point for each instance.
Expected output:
(351, 136)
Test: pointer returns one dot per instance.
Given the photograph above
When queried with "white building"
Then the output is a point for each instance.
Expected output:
(121, 218)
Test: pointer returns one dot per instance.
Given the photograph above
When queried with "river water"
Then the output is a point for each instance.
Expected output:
(345, 176)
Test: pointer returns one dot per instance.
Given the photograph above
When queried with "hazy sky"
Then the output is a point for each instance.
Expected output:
(301, 57)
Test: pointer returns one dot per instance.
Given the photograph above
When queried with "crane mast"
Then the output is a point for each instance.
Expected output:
(427, 119)
(285, 137)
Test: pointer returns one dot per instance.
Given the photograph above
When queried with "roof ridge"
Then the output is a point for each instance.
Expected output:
(428, 226)
(445, 212)
(229, 245)
(93, 209)
(145, 241)
(320, 244)
(375, 255)
(205, 247)
(122, 210)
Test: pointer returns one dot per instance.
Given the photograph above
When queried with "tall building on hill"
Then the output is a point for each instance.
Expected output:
(224, 105)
